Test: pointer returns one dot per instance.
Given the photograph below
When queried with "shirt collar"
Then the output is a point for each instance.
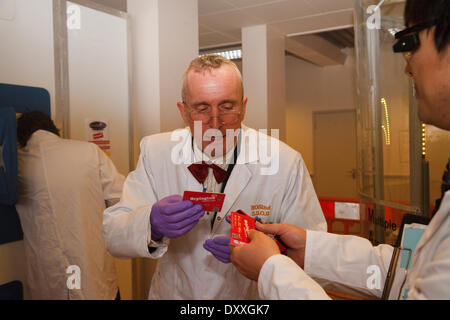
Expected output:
(199, 156)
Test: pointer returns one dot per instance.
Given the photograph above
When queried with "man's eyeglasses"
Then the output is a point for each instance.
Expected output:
(408, 39)
(228, 114)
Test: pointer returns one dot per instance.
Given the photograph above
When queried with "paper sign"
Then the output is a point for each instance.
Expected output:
(211, 202)
(97, 132)
(346, 210)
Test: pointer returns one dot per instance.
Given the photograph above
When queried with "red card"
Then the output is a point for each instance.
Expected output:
(240, 226)
(211, 202)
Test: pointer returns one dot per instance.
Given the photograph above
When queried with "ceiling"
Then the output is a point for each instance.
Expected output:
(316, 30)
(221, 21)
(342, 38)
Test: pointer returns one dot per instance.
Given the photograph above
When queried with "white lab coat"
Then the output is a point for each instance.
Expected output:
(63, 186)
(186, 270)
(341, 263)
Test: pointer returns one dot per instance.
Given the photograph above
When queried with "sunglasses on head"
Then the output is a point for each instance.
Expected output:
(408, 39)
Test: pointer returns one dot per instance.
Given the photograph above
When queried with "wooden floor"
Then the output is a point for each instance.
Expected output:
(342, 296)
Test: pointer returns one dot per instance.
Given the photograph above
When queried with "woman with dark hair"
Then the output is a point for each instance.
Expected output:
(64, 187)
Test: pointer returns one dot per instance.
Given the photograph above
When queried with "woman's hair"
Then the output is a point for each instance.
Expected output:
(32, 121)
(424, 11)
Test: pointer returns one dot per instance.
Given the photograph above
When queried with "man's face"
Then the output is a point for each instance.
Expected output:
(431, 73)
(217, 91)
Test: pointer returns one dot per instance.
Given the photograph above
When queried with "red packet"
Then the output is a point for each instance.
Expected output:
(240, 226)
(211, 202)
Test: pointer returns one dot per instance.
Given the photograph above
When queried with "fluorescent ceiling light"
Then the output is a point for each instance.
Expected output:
(233, 54)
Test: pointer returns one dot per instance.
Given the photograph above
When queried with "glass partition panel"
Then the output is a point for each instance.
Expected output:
(391, 167)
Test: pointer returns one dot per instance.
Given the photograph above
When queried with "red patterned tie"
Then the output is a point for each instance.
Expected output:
(200, 172)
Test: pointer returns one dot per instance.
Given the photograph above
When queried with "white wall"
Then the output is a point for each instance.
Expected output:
(264, 77)
(26, 44)
(254, 75)
(311, 88)
(178, 45)
(98, 80)
(164, 41)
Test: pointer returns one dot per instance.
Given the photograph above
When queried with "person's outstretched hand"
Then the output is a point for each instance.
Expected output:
(250, 258)
(293, 237)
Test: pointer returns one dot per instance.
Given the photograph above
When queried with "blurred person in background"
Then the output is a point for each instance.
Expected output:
(64, 187)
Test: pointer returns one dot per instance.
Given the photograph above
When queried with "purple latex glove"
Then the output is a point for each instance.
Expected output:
(219, 247)
(172, 217)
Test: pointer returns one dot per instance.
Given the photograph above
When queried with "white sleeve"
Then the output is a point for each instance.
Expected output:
(282, 279)
(111, 180)
(126, 226)
(347, 264)
(434, 280)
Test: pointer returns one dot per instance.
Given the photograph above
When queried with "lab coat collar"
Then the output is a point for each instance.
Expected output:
(41, 135)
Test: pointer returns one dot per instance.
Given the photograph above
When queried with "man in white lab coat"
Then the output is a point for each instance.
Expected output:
(64, 187)
(153, 221)
(341, 262)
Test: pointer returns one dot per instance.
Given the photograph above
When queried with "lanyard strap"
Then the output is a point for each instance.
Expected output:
(224, 183)
(229, 171)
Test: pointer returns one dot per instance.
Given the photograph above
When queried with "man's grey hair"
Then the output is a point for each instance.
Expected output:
(207, 63)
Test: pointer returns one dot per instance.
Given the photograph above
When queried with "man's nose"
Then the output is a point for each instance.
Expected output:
(214, 121)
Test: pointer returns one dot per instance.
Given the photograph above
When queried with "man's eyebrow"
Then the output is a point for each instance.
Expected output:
(204, 103)
(228, 101)
(201, 103)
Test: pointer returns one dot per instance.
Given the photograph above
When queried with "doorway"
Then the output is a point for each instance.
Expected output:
(335, 154)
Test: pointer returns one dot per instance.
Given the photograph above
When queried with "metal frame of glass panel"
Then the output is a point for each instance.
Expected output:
(61, 50)
(62, 94)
